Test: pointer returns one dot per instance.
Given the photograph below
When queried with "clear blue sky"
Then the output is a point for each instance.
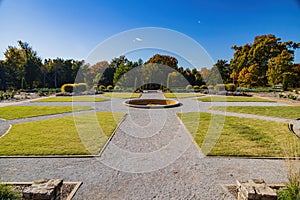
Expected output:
(72, 28)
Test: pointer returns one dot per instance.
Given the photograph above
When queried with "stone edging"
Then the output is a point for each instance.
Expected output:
(70, 196)
(112, 135)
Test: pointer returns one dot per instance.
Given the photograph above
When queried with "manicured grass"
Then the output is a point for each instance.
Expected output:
(182, 95)
(17, 112)
(289, 112)
(232, 99)
(72, 99)
(243, 137)
(59, 136)
(122, 95)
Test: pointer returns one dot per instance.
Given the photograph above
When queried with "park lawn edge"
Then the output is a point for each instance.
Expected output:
(80, 149)
(255, 138)
(216, 98)
(21, 112)
(285, 112)
(71, 99)
(181, 95)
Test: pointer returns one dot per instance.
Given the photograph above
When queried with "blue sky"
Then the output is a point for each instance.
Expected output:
(73, 28)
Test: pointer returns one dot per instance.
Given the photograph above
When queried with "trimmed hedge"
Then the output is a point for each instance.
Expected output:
(67, 88)
(77, 88)
(230, 87)
(189, 87)
(219, 87)
(102, 87)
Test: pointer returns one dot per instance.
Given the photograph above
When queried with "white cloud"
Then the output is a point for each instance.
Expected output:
(138, 39)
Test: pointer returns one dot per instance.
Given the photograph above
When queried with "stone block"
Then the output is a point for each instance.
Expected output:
(44, 189)
(255, 189)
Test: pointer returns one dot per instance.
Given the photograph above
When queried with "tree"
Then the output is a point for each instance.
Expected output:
(164, 60)
(204, 73)
(31, 64)
(262, 61)
(2, 76)
(14, 64)
(97, 71)
(214, 76)
(121, 73)
(278, 66)
(224, 70)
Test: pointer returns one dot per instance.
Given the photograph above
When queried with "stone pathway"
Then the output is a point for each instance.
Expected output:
(151, 156)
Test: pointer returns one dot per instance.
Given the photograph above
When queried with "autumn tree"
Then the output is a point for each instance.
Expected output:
(164, 60)
(263, 62)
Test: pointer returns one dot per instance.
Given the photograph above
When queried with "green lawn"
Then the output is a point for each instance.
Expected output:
(123, 95)
(59, 136)
(182, 95)
(72, 99)
(232, 99)
(289, 112)
(17, 112)
(243, 137)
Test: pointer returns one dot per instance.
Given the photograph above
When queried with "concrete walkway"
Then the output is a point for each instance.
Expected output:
(151, 156)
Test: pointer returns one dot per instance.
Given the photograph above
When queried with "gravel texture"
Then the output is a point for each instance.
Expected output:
(151, 156)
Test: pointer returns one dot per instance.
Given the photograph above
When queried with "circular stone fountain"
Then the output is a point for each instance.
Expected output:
(152, 103)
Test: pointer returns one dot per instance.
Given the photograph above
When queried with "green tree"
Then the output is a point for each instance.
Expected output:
(14, 64)
(2, 76)
(32, 65)
(224, 70)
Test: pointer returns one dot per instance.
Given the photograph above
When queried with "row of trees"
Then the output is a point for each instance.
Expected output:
(265, 62)
(22, 68)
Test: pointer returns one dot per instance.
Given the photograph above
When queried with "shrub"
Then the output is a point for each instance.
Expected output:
(210, 87)
(6, 192)
(290, 96)
(282, 96)
(189, 87)
(67, 88)
(219, 87)
(102, 87)
(230, 87)
(117, 87)
(203, 87)
(80, 87)
(196, 88)
(110, 87)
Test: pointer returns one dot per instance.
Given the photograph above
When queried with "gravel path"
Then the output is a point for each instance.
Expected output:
(151, 156)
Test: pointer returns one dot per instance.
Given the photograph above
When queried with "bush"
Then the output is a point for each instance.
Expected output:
(196, 88)
(189, 87)
(102, 87)
(80, 87)
(203, 87)
(282, 96)
(219, 87)
(290, 96)
(230, 87)
(6, 192)
(117, 87)
(67, 88)
(210, 87)
(110, 87)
